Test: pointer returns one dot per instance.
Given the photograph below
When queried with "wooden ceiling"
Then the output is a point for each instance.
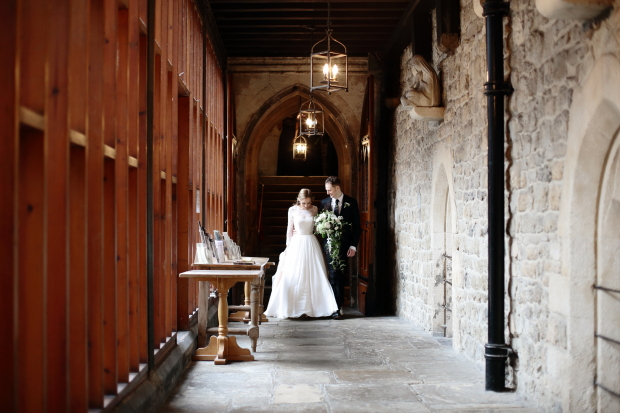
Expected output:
(289, 27)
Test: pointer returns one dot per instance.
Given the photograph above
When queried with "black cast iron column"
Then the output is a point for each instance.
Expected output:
(496, 350)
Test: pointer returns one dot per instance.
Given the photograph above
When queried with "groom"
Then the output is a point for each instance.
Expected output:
(345, 206)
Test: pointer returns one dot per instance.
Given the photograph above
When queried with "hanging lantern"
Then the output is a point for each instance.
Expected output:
(311, 118)
(300, 147)
(329, 56)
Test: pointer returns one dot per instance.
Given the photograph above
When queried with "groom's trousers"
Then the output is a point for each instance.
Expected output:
(336, 279)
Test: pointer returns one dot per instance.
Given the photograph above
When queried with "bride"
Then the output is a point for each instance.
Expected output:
(300, 285)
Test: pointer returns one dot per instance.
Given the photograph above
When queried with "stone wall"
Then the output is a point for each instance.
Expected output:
(547, 61)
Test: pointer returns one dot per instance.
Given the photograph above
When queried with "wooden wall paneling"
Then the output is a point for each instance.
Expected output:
(110, 335)
(142, 264)
(78, 66)
(163, 122)
(110, 351)
(174, 120)
(94, 170)
(133, 130)
(122, 193)
(169, 202)
(56, 177)
(208, 168)
(184, 206)
(157, 207)
(143, 11)
(32, 52)
(133, 90)
(78, 285)
(170, 102)
(195, 174)
(9, 140)
(31, 270)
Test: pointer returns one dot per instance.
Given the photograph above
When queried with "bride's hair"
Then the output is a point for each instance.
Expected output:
(303, 194)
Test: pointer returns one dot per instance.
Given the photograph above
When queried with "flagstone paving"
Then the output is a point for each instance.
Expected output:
(355, 365)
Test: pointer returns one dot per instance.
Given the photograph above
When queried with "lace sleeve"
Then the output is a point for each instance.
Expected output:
(289, 227)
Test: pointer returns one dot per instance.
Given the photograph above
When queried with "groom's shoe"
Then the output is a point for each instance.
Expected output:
(335, 315)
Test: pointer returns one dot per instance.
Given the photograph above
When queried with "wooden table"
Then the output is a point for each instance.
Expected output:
(222, 349)
(260, 263)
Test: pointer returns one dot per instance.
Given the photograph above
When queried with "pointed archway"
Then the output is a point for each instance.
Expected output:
(281, 105)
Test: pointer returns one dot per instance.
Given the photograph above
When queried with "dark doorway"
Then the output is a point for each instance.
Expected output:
(321, 158)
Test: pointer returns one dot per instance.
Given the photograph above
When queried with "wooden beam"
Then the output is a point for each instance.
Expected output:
(404, 22)
(31, 118)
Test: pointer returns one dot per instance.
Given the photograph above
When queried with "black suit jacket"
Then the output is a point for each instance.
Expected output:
(350, 214)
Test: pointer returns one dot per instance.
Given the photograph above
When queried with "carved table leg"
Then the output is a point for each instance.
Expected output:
(203, 312)
(222, 349)
(242, 315)
(261, 308)
(247, 300)
(254, 313)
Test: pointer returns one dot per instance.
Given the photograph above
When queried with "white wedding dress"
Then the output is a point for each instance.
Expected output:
(300, 285)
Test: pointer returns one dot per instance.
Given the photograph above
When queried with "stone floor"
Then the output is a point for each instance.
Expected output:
(335, 366)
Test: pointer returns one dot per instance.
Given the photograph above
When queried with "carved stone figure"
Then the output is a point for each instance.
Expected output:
(425, 90)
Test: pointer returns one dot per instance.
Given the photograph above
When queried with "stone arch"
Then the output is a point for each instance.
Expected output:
(443, 227)
(593, 124)
(608, 276)
(281, 105)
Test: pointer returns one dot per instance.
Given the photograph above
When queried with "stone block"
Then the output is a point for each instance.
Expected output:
(297, 393)
(559, 293)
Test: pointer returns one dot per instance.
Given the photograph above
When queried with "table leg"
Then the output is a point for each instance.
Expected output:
(203, 312)
(254, 313)
(247, 301)
(261, 307)
(222, 349)
(242, 315)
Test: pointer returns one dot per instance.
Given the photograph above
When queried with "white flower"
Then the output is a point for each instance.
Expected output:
(328, 225)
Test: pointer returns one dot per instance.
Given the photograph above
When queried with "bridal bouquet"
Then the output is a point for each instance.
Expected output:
(330, 226)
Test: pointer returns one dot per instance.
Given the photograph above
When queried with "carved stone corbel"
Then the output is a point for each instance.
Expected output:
(572, 9)
(423, 98)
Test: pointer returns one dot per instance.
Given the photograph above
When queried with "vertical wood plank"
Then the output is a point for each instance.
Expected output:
(78, 308)
(77, 335)
(133, 130)
(157, 234)
(110, 298)
(184, 205)
(31, 270)
(110, 354)
(32, 31)
(94, 169)
(78, 66)
(143, 321)
(9, 143)
(174, 120)
(168, 222)
(56, 178)
(121, 190)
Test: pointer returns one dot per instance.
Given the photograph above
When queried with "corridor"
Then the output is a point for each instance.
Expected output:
(352, 365)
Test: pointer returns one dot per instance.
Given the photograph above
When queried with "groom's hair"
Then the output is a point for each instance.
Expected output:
(333, 180)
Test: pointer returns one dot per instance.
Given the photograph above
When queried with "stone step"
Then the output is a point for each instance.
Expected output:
(294, 188)
(304, 180)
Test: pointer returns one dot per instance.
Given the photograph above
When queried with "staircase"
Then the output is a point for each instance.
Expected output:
(280, 194)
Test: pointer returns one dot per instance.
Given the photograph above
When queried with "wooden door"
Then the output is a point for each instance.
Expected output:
(366, 198)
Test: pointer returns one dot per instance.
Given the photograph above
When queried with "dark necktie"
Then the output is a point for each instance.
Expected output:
(336, 209)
